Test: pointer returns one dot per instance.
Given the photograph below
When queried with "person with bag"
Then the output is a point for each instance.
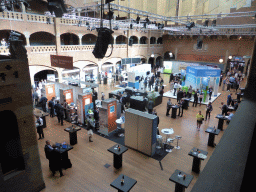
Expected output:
(199, 118)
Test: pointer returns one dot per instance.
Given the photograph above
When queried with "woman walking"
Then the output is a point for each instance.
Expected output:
(199, 118)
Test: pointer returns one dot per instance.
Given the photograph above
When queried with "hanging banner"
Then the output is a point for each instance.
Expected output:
(62, 61)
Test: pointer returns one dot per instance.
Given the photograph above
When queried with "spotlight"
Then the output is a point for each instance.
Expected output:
(116, 27)
(214, 23)
(138, 19)
(190, 25)
(56, 6)
(221, 60)
(17, 6)
(206, 23)
(160, 26)
(147, 20)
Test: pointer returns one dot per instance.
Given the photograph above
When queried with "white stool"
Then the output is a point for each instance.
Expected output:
(159, 142)
(178, 138)
(169, 141)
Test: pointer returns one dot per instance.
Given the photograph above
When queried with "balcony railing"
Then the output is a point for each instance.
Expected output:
(12, 15)
(41, 49)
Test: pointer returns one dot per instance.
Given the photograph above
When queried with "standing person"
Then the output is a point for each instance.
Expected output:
(229, 99)
(181, 108)
(175, 88)
(36, 97)
(144, 103)
(65, 106)
(57, 107)
(199, 118)
(224, 83)
(39, 127)
(102, 96)
(38, 93)
(61, 114)
(51, 107)
(161, 92)
(96, 117)
(55, 161)
(171, 86)
(48, 149)
(210, 93)
(150, 106)
(43, 102)
(145, 83)
(94, 97)
(190, 91)
(224, 109)
(208, 110)
(201, 97)
(195, 99)
(91, 126)
(169, 104)
(179, 95)
(171, 77)
(158, 120)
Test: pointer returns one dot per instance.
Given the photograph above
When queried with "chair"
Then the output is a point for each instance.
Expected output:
(178, 138)
(168, 142)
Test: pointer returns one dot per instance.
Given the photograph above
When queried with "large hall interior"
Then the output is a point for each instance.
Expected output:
(127, 95)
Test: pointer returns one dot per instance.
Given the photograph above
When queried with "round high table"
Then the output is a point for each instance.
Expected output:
(167, 132)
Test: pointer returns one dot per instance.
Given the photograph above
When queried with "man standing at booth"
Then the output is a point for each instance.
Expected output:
(51, 107)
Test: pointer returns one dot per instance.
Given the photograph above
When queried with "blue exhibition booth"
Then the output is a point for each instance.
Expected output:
(201, 76)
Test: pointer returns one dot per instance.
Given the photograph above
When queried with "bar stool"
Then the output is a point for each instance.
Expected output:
(159, 140)
(169, 141)
(178, 138)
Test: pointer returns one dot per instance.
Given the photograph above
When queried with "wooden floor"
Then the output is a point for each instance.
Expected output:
(89, 174)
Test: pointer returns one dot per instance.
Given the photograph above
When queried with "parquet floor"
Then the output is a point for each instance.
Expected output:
(89, 174)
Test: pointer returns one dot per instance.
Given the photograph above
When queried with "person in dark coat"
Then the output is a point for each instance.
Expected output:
(181, 108)
(36, 97)
(229, 99)
(171, 77)
(144, 103)
(55, 161)
(43, 102)
(57, 109)
(96, 117)
(51, 107)
(195, 99)
(179, 95)
(61, 115)
(208, 110)
(224, 109)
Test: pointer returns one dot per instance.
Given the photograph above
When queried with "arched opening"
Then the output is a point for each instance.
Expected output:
(160, 40)
(89, 39)
(152, 40)
(41, 39)
(168, 56)
(121, 39)
(143, 40)
(11, 152)
(5, 34)
(109, 68)
(134, 39)
(91, 72)
(69, 39)
(159, 61)
(43, 75)
(151, 61)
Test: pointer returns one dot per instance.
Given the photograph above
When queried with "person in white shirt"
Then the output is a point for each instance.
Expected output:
(39, 124)
(3, 42)
(40, 85)
(176, 86)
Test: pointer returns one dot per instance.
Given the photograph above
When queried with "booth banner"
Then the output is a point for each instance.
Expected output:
(68, 95)
(112, 115)
(62, 61)
(80, 111)
(167, 67)
(50, 91)
(216, 86)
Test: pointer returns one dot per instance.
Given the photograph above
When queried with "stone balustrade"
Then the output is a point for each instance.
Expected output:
(41, 49)
(12, 15)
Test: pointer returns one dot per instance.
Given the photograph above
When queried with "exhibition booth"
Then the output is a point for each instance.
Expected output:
(78, 98)
(201, 78)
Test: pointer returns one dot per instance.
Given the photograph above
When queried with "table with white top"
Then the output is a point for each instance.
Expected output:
(167, 132)
(120, 121)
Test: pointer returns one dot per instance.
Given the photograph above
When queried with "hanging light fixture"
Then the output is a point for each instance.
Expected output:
(221, 60)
